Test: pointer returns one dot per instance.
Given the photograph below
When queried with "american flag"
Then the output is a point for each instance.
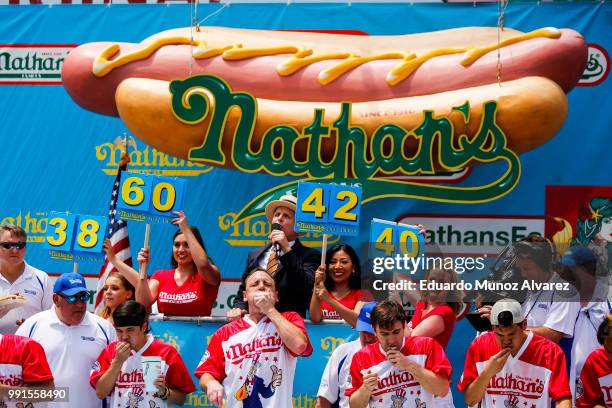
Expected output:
(118, 234)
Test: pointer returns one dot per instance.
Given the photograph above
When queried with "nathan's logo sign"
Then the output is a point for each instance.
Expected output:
(147, 160)
(598, 66)
(32, 63)
(279, 147)
(33, 222)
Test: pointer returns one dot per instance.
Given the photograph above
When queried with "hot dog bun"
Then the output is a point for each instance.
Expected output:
(530, 110)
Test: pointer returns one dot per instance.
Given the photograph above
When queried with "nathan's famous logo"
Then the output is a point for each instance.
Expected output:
(516, 383)
(145, 159)
(279, 145)
(34, 223)
(254, 230)
(598, 66)
(25, 64)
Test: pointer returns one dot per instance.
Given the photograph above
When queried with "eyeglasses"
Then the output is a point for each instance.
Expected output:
(84, 297)
(13, 245)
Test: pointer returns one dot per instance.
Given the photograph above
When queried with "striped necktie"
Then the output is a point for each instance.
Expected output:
(273, 262)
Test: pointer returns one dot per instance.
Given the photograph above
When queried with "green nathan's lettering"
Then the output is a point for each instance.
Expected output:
(356, 155)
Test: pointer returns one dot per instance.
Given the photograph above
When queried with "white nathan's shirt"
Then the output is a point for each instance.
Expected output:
(252, 363)
(334, 380)
(130, 386)
(35, 286)
(396, 387)
(585, 332)
(555, 309)
(71, 352)
(595, 384)
(530, 379)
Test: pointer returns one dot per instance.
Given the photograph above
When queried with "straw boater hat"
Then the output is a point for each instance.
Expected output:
(288, 201)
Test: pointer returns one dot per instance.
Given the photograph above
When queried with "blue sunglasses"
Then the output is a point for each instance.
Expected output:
(84, 297)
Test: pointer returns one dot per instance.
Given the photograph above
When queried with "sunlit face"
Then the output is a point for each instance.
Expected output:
(286, 218)
(530, 270)
(391, 337)
(181, 251)
(13, 256)
(367, 338)
(511, 337)
(259, 282)
(115, 293)
(606, 229)
(70, 314)
(340, 267)
(135, 336)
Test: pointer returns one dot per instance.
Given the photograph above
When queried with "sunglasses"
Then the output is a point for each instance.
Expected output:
(13, 245)
(84, 297)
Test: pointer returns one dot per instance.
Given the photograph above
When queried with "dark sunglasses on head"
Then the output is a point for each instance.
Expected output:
(83, 297)
(11, 245)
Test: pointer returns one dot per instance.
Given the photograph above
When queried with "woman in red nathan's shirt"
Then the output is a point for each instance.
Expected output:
(436, 310)
(337, 292)
(190, 287)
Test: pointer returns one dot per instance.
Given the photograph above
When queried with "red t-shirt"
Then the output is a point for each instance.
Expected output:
(445, 312)
(397, 386)
(248, 357)
(595, 384)
(193, 298)
(130, 385)
(349, 301)
(22, 361)
(534, 376)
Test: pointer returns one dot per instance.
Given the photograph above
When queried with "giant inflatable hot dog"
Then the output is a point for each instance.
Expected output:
(390, 80)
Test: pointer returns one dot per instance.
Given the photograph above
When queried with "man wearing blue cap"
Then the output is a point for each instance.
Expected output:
(72, 337)
(580, 268)
(335, 377)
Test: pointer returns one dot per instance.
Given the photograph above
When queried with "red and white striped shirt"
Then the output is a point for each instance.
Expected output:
(595, 384)
(530, 379)
(397, 387)
(251, 361)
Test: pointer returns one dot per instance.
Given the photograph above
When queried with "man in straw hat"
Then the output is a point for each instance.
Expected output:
(291, 264)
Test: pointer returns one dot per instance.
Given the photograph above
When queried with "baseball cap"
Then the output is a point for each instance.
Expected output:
(364, 320)
(578, 255)
(507, 305)
(70, 284)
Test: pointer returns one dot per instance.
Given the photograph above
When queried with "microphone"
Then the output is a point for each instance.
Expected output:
(276, 227)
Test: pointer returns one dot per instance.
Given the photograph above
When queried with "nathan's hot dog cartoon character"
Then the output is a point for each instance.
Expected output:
(288, 88)
(254, 387)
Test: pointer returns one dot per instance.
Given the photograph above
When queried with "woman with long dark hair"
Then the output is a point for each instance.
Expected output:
(337, 293)
(189, 288)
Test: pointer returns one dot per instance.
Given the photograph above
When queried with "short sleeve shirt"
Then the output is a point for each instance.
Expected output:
(349, 301)
(334, 380)
(22, 362)
(531, 378)
(252, 363)
(36, 287)
(397, 387)
(443, 311)
(130, 389)
(595, 384)
(194, 297)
